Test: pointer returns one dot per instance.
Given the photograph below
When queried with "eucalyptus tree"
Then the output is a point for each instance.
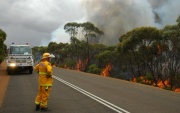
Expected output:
(120, 65)
(95, 49)
(52, 47)
(172, 34)
(82, 60)
(91, 34)
(62, 52)
(136, 45)
(2, 45)
(38, 52)
(72, 29)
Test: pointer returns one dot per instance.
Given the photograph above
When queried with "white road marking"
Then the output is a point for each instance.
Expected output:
(98, 99)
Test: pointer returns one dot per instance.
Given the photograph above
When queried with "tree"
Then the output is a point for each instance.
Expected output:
(172, 34)
(52, 47)
(136, 45)
(2, 45)
(38, 52)
(90, 32)
(72, 29)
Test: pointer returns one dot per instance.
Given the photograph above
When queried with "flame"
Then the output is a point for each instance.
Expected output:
(166, 82)
(159, 49)
(177, 90)
(143, 80)
(146, 81)
(81, 65)
(161, 85)
(133, 80)
(106, 70)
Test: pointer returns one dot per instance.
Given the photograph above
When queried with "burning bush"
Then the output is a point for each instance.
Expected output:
(106, 70)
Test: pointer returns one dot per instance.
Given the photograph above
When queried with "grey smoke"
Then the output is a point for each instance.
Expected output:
(116, 17)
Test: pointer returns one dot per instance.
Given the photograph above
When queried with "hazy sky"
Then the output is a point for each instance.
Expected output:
(36, 21)
(39, 22)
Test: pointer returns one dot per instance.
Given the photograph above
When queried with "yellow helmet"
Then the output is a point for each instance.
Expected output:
(46, 55)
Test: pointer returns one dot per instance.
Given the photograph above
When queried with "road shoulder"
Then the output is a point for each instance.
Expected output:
(4, 79)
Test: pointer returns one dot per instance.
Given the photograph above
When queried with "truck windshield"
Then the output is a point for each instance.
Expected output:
(20, 50)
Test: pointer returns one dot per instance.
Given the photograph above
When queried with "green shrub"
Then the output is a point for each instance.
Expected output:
(149, 76)
(139, 80)
(94, 69)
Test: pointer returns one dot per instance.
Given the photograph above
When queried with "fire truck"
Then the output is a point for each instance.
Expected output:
(20, 58)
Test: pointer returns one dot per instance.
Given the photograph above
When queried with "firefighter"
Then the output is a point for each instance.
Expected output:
(44, 69)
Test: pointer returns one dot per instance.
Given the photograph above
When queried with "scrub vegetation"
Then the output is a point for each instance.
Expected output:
(146, 55)
(2, 45)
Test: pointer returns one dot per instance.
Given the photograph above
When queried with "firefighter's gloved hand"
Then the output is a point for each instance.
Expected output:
(46, 88)
(48, 76)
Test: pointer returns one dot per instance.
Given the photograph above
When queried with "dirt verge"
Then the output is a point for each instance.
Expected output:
(4, 79)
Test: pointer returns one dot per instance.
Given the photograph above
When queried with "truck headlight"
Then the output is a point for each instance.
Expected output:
(12, 64)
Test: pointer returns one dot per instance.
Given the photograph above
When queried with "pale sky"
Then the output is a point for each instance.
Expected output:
(36, 21)
(39, 22)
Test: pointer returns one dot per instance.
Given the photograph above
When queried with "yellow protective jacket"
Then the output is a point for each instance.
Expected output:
(44, 69)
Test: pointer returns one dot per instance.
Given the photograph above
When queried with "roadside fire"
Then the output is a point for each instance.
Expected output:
(106, 70)
(159, 49)
(141, 79)
(160, 83)
(81, 65)
(177, 90)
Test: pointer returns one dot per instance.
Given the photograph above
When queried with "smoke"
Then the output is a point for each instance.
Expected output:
(116, 17)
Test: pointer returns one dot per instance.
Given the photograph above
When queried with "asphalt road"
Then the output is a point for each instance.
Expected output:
(78, 92)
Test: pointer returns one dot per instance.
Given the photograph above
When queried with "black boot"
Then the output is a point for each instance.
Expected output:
(45, 109)
(37, 107)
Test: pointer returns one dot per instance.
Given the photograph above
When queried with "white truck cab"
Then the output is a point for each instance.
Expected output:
(20, 58)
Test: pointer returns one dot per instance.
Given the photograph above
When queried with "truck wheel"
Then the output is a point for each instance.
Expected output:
(30, 70)
(8, 71)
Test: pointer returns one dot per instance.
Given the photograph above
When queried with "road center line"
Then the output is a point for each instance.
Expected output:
(98, 99)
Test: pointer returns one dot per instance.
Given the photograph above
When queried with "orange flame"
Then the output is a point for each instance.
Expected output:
(133, 80)
(159, 49)
(106, 70)
(81, 65)
(143, 80)
(177, 90)
(161, 85)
